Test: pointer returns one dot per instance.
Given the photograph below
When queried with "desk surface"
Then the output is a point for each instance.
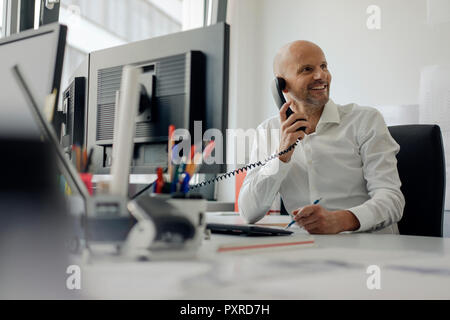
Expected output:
(334, 268)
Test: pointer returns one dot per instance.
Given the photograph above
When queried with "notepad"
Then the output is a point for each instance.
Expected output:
(248, 244)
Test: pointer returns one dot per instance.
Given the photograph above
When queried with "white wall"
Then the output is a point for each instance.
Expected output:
(369, 67)
(245, 65)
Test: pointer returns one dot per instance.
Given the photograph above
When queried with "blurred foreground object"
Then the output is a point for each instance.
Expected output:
(33, 223)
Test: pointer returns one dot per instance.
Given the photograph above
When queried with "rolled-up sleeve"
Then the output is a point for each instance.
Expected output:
(262, 184)
(378, 153)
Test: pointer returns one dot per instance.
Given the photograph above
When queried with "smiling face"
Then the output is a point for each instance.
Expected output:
(304, 67)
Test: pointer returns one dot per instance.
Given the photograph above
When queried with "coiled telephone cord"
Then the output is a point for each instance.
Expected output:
(244, 169)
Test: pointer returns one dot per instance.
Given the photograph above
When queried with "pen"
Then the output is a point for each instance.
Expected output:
(194, 166)
(199, 158)
(89, 160)
(170, 146)
(175, 179)
(160, 181)
(84, 162)
(191, 156)
(176, 154)
(76, 148)
(185, 184)
(293, 221)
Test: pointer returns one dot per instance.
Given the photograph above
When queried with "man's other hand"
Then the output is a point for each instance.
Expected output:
(317, 220)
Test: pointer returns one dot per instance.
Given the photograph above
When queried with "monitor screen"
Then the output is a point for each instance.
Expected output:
(39, 55)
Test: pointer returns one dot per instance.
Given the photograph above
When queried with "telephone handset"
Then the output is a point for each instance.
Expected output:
(277, 87)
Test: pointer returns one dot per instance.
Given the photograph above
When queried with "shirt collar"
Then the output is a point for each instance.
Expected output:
(330, 114)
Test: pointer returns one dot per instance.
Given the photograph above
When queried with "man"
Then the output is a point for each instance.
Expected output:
(346, 157)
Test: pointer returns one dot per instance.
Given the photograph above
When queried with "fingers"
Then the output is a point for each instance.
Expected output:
(313, 227)
(304, 211)
(309, 218)
(287, 122)
(292, 137)
(292, 134)
(295, 117)
(283, 111)
(297, 124)
(312, 219)
(307, 211)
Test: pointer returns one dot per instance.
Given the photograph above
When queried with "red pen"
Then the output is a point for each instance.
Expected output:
(191, 157)
(169, 151)
(159, 181)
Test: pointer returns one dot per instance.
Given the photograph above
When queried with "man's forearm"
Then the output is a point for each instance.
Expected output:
(251, 209)
(260, 188)
(348, 221)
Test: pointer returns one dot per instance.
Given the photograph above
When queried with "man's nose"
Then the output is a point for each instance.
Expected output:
(319, 74)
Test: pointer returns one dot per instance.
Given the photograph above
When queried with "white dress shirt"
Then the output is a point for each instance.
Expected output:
(349, 162)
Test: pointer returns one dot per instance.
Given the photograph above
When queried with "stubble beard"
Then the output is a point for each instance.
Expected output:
(317, 102)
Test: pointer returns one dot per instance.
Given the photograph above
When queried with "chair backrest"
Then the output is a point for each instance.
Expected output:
(421, 166)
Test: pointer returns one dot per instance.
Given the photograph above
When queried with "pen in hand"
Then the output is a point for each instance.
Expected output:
(293, 221)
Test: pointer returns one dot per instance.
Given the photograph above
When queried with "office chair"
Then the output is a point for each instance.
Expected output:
(421, 166)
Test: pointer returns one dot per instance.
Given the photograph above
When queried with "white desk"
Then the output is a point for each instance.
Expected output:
(334, 268)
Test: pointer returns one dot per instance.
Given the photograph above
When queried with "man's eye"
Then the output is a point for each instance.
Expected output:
(324, 66)
(307, 69)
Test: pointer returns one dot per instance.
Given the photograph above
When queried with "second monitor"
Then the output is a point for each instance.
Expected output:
(185, 79)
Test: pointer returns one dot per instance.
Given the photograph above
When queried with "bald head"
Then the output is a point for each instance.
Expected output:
(293, 53)
(303, 66)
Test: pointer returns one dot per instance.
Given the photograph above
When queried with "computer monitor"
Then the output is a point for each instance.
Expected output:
(71, 117)
(30, 69)
(39, 54)
(185, 79)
